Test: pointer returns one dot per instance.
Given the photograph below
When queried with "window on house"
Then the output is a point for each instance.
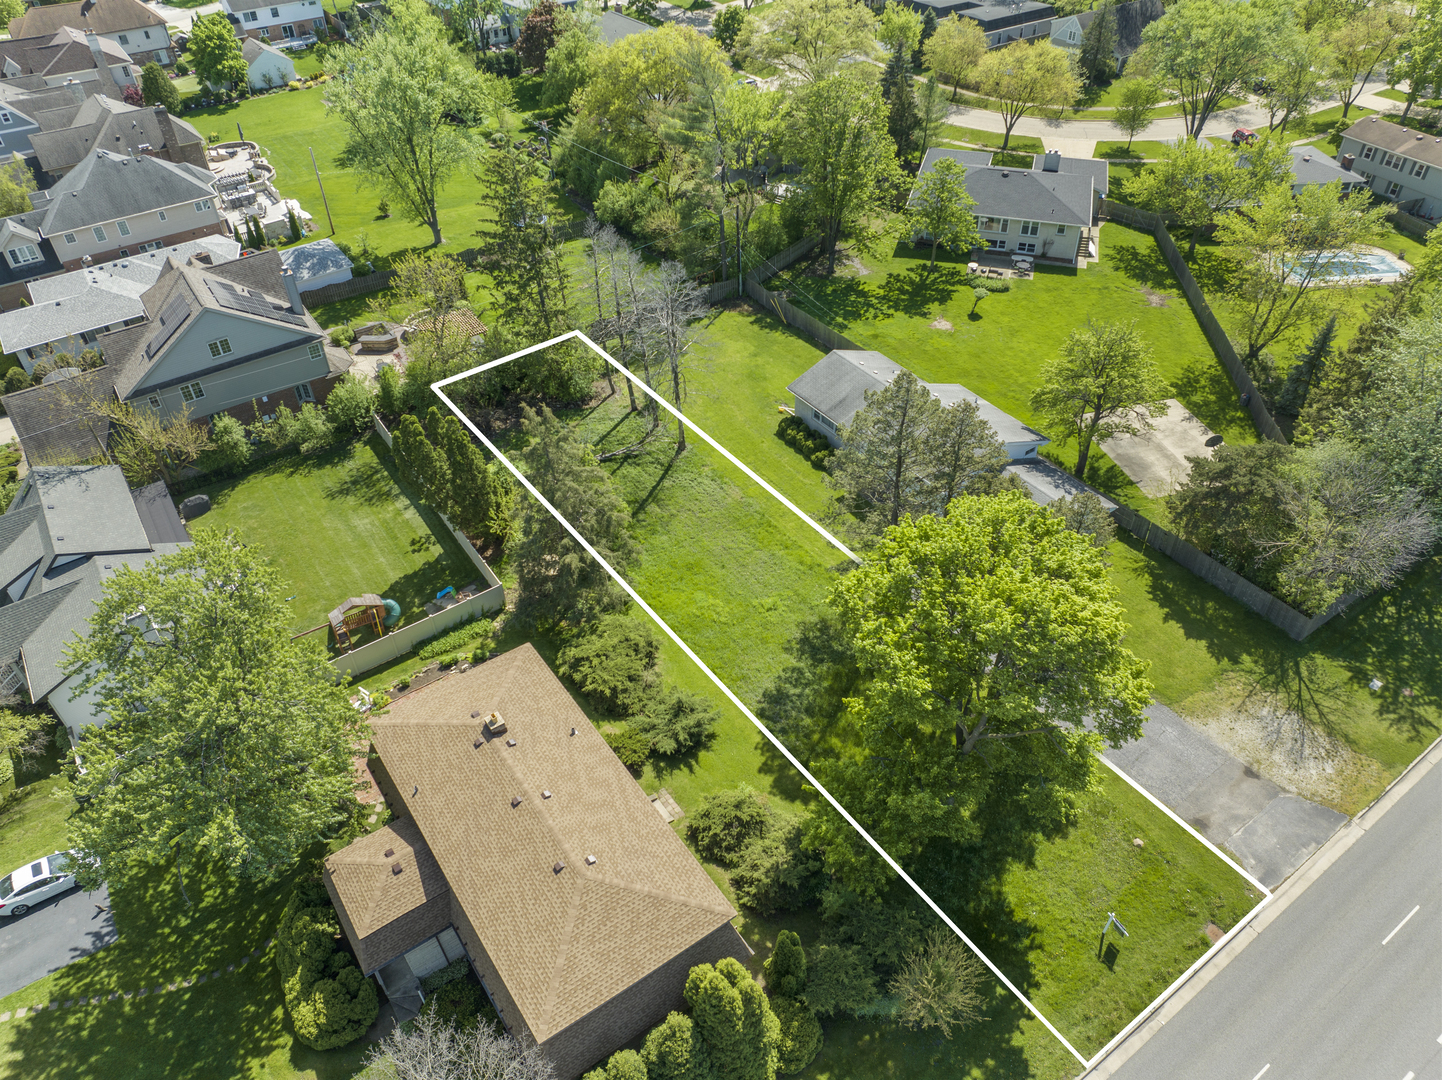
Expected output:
(1391, 160)
(99, 232)
(154, 400)
(1418, 169)
(275, 13)
(992, 224)
(1027, 247)
(124, 253)
(303, 392)
(25, 253)
(316, 352)
(1030, 228)
(123, 226)
(265, 32)
(1071, 35)
(219, 347)
(202, 206)
(250, 16)
(1061, 230)
(317, 24)
(147, 35)
(125, 70)
(70, 238)
(1367, 152)
(287, 31)
(1393, 189)
(4, 117)
(192, 392)
(162, 215)
(996, 245)
(124, 39)
(154, 245)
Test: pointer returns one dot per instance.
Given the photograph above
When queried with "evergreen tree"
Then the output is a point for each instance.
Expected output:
(1308, 370)
(895, 74)
(901, 119)
(928, 27)
(422, 466)
(674, 1050)
(471, 498)
(734, 1017)
(1098, 44)
(786, 966)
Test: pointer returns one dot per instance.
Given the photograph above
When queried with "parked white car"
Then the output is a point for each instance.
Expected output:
(22, 889)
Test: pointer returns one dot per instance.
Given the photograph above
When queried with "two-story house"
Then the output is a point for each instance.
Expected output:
(69, 530)
(112, 205)
(1130, 19)
(1400, 164)
(64, 56)
(1003, 23)
(68, 134)
(128, 23)
(275, 22)
(230, 337)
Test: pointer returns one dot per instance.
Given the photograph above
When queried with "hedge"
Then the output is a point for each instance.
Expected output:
(812, 445)
(452, 640)
(329, 1001)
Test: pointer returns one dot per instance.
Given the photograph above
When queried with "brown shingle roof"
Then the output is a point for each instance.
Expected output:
(563, 942)
(102, 16)
(1409, 142)
(363, 876)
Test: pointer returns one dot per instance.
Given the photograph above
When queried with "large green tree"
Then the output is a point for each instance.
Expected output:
(158, 89)
(558, 580)
(955, 49)
(1367, 37)
(1024, 76)
(1419, 59)
(988, 640)
(809, 39)
(215, 52)
(1097, 56)
(1206, 51)
(1104, 383)
(941, 210)
(1295, 76)
(848, 161)
(733, 1016)
(1136, 97)
(228, 744)
(400, 93)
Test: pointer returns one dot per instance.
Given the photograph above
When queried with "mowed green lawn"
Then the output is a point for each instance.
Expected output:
(338, 524)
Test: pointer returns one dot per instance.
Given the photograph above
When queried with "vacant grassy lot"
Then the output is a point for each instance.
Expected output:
(337, 525)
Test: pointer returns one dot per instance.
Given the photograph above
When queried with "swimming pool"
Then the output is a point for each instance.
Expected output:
(1347, 266)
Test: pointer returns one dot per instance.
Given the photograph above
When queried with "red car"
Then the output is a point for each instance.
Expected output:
(1243, 135)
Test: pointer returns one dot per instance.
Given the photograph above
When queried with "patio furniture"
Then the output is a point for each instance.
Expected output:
(971, 268)
(380, 342)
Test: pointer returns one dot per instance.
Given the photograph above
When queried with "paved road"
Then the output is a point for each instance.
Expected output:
(1317, 995)
(50, 936)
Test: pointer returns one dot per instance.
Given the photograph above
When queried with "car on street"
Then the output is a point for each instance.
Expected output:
(36, 882)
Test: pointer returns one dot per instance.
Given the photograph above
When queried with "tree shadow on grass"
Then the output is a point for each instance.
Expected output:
(1144, 265)
(919, 290)
(1208, 393)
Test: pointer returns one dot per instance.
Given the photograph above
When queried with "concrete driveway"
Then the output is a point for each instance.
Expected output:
(48, 937)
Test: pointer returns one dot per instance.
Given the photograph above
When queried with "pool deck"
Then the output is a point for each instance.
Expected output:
(1383, 278)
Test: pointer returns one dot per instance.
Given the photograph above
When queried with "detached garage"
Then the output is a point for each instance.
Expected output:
(316, 264)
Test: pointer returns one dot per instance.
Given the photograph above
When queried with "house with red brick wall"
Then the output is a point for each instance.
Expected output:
(523, 845)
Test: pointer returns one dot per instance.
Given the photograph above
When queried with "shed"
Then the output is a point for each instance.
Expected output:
(317, 264)
(268, 66)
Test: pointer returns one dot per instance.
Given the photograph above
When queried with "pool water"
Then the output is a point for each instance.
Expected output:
(1358, 264)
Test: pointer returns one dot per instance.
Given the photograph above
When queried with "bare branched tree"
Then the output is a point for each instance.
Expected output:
(942, 985)
(428, 1049)
(672, 307)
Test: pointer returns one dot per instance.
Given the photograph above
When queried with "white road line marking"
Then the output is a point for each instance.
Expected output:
(1401, 924)
(1410, 1076)
(1265, 1067)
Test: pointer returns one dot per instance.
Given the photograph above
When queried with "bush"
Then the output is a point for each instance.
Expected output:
(775, 874)
(785, 968)
(388, 392)
(182, 68)
(306, 431)
(676, 721)
(17, 378)
(452, 972)
(810, 444)
(351, 405)
(452, 640)
(329, 1001)
(462, 1003)
(480, 654)
(726, 822)
(800, 1034)
(506, 64)
(626, 205)
(839, 980)
(613, 662)
(630, 746)
(622, 1065)
(230, 444)
(342, 337)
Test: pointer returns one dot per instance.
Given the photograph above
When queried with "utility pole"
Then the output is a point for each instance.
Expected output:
(323, 199)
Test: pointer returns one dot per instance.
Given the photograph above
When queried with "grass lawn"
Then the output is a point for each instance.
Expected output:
(1320, 123)
(998, 351)
(337, 525)
(231, 1027)
(1398, 95)
(1141, 149)
(991, 139)
(32, 819)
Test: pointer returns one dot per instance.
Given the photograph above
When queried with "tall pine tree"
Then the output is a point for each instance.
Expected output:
(901, 119)
(734, 1017)
(786, 966)
(471, 481)
(1307, 372)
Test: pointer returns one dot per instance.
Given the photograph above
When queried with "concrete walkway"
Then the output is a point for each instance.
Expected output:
(1269, 832)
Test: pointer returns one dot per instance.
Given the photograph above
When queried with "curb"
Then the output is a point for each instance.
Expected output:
(1168, 1005)
(145, 991)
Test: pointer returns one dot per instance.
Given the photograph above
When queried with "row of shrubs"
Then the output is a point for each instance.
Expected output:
(330, 1002)
(613, 662)
(810, 444)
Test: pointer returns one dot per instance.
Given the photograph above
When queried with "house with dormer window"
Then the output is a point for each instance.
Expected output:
(217, 337)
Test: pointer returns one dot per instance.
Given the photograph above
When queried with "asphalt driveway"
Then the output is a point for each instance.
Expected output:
(49, 936)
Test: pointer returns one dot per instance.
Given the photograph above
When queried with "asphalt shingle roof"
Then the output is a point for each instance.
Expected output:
(564, 941)
(50, 427)
(1311, 166)
(1059, 198)
(313, 260)
(102, 16)
(105, 123)
(1414, 144)
(88, 509)
(1096, 168)
(105, 186)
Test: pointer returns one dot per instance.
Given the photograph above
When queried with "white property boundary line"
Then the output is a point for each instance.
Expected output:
(439, 389)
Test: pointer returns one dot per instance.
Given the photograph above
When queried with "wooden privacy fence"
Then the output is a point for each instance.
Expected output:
(345, 290)
(723, 290)
(1280, 614)
(1221, 344)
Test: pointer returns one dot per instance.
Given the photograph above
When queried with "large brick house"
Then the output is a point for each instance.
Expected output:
(522, 844)
(231, 337)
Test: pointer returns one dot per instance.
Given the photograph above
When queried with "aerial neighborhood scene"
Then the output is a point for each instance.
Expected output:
(699, 540)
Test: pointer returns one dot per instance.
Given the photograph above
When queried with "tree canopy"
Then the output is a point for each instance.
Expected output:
(987, 639)
(399, 93)
(810, 38)
(956, 48)
(941, 209)
(215, 52)
(1025, 76)
(228, 744)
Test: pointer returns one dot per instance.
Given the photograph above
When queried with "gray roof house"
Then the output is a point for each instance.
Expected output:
(267, 67)
(67, 54)
(69, 312)
(833, 390)
(317, 264)
(1399, 163)
(129, 24)
(615, 26)
(1310, 167)
(70, 131)
(67, 531)
(232, 337)
(1046, 211)
(1131, 19)
(1003, 23)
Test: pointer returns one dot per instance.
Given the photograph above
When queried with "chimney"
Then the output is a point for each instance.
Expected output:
(76, 90)
(1051, 162)
(293, 291)
(1347, 161)
(94, 43)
